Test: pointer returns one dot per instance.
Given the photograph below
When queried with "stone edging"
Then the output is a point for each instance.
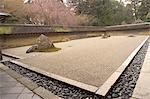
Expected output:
(140, 91)
(11, 55)
(40, 91)
(113, 78)
(57, 77)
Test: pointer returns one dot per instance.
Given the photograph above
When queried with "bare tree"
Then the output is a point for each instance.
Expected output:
(51, 12)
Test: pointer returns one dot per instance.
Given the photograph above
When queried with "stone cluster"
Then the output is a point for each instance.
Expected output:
(42, 43)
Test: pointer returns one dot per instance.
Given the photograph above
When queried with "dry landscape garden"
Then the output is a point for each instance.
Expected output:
(74, 49)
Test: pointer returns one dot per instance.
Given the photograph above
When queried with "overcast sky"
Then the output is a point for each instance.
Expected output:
(65, 1)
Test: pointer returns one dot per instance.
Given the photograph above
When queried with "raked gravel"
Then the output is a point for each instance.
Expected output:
(122, 89)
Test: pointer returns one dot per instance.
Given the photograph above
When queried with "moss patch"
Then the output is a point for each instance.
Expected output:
(54, 49)
(5, 30)
(145, 33)
(59, 29)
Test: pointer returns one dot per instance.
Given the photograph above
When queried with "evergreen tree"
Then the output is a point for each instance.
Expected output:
(144, 9)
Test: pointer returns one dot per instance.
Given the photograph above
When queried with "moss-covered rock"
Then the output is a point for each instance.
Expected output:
(43, 44)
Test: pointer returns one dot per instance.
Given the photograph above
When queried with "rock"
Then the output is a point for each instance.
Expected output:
(42, 43)
(131, 35)
(65, 39)
(32, 49)
(105, 35)
(108, 35)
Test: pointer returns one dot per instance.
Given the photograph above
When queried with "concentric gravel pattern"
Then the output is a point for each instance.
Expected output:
(124, 86)
(122, 89)
(59, 88)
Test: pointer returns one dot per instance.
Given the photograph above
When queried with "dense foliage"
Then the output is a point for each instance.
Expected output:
(78, 12)
(144, 10)
(112, 12)
(105, 12)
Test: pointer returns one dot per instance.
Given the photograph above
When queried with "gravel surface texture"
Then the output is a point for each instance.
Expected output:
(122, 89)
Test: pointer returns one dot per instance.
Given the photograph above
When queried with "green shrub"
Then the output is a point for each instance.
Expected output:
(148, 17)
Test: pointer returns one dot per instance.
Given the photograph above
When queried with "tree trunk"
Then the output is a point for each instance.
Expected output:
(0, 54)
(1, 48)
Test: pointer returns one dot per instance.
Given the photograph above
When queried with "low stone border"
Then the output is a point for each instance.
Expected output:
(113, 78)
(11, 55)
(40, 91)
(125, 84)
(3, 67)
(45, 93)
(56, 87)
(57, 77)
(141, 90)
